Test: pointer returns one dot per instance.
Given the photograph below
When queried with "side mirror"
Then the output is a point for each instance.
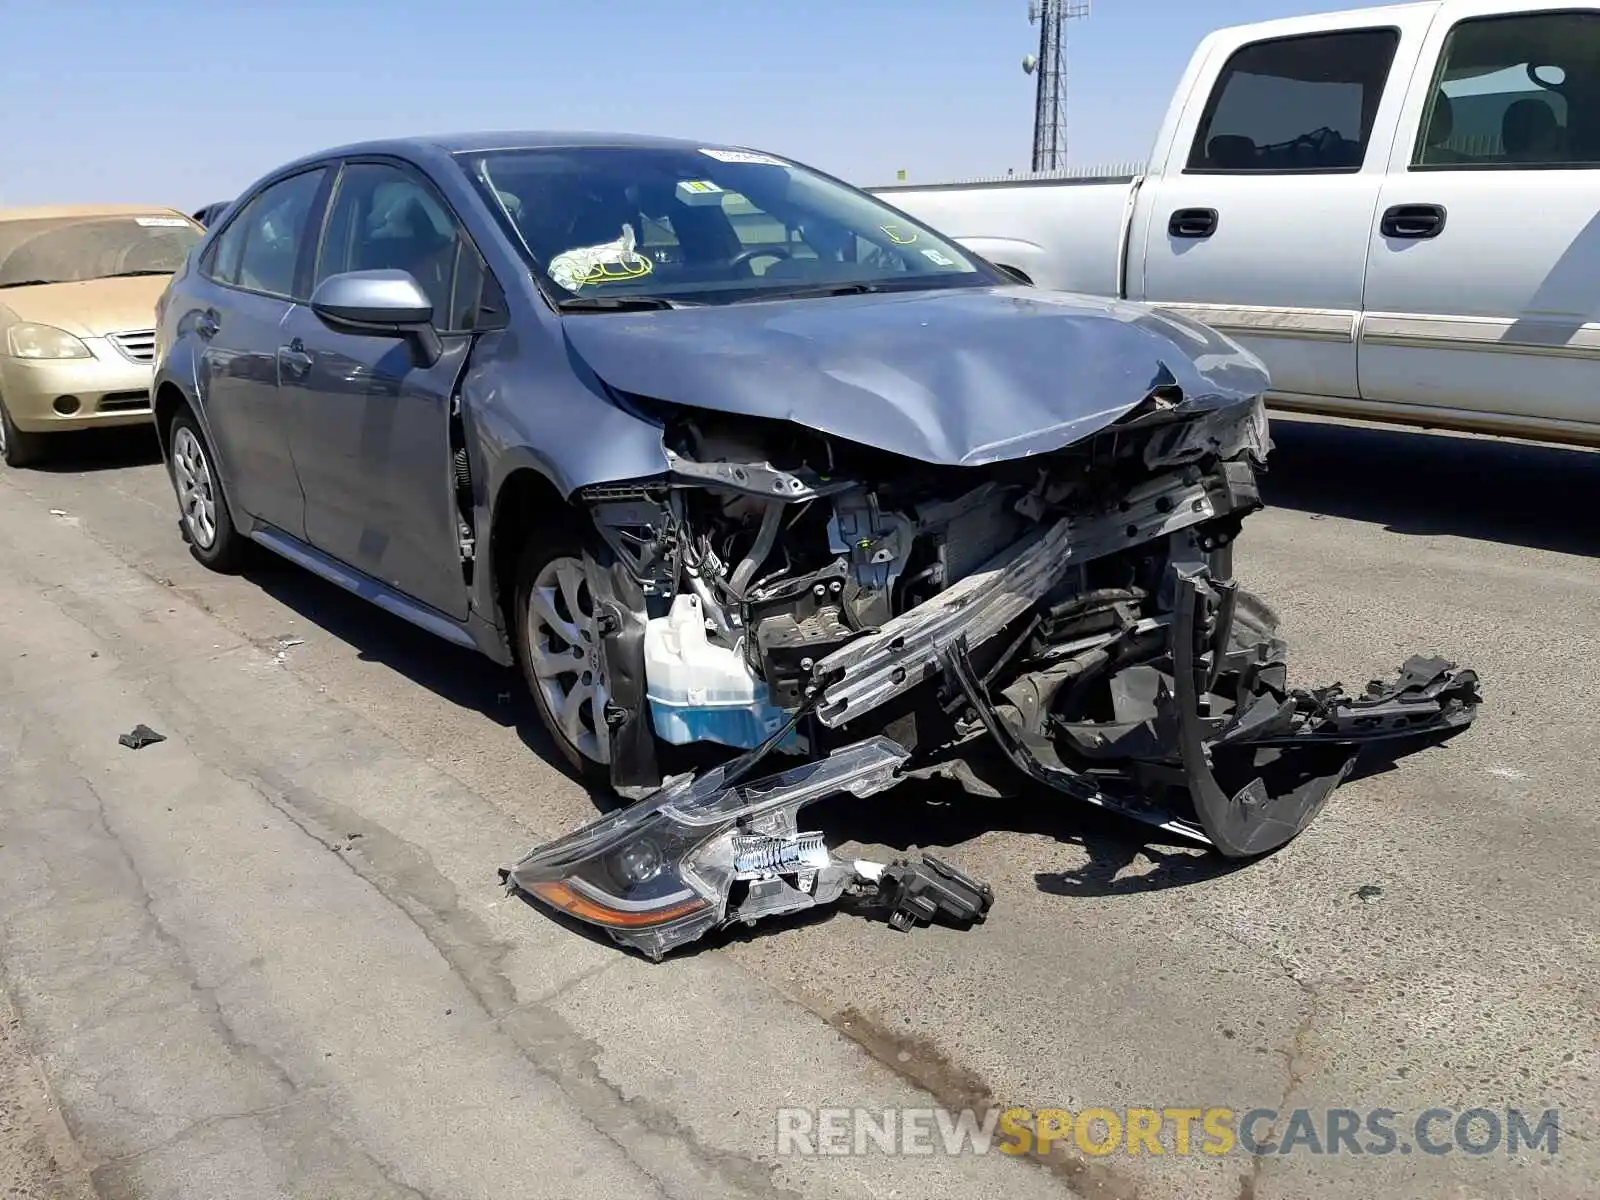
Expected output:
(380, 303)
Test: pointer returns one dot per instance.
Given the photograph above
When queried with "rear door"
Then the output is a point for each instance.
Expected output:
(371, 424)
(255, 268)
(1259, 219)
(1483, 281)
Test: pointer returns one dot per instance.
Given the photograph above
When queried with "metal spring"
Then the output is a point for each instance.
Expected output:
(758, 854)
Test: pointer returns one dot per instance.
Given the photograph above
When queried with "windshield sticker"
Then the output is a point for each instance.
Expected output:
(698, 193)
(939, 257)
(747, 157)
(900, 237)
(612, 262)
(162, 222)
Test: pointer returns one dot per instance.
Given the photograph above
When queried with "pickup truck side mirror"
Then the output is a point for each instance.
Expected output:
(381, 303)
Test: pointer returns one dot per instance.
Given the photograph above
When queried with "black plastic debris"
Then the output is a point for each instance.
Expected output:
(141, 736)
(932, 890)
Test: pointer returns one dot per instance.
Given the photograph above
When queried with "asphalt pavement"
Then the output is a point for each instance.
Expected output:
(270, 956)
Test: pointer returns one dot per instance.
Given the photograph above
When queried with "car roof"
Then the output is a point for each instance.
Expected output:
(467, 143)
(46, 211)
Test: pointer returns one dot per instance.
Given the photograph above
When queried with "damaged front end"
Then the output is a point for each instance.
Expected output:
(827, 619)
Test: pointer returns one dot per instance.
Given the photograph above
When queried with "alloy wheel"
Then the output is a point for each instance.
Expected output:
(191, 476)
(566, 661)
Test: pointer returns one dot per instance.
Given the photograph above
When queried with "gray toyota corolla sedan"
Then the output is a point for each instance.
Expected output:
(740, 465)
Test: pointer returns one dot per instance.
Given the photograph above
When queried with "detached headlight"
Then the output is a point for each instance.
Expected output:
(659, 873)
(44, 341)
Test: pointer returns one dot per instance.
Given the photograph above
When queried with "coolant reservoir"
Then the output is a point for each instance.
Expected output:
(700, 692)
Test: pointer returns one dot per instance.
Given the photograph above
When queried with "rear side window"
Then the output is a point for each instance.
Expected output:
(1298, 104)
(260, 248)
(1519, 91)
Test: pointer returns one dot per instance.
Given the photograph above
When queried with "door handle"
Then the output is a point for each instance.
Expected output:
(207, 325)
(1412, 221)
(1192, 223)
(293, 359)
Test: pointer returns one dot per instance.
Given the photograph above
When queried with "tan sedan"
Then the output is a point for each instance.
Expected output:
(78, 290)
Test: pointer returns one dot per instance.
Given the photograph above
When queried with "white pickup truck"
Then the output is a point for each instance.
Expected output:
(1397, 209)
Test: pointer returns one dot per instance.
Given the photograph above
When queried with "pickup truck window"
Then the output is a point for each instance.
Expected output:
(1515, 92)
(1297, 104)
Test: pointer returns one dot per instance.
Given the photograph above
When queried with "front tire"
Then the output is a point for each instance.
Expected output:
(18, 447)
(558, 648)
(203, 514)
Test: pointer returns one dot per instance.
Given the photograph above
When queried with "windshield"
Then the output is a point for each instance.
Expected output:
(72, 249)
(706, 226)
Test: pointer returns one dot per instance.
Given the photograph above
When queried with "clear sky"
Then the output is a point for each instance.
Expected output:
(181, 104)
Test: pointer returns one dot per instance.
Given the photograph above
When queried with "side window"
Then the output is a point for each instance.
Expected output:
(260, 248)
(383, 217)
(1517, 91)
(476, 301)
(222, 262)
(1303, 104)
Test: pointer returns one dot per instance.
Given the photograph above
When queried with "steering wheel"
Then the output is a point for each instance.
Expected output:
(744, 256)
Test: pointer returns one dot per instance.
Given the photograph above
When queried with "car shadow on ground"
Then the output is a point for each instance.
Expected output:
(88, 450)
(1421, 482)
(458, 676)
(1123, 857)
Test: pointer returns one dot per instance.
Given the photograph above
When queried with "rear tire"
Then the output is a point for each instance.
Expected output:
(203, 515)
(557, 641)
(18, 447)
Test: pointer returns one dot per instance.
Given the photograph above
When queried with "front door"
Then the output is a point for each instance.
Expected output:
(371, 424)
(254, 271)
(1258, 222)
(1483, 281)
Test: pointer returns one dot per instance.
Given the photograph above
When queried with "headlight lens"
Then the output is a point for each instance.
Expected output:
(44, 341)
(630, 876)
(658, 874)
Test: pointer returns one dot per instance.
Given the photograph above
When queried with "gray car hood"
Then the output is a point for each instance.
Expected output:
(963, 376)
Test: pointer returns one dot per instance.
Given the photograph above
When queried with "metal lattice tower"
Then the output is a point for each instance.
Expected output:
(1050, 99)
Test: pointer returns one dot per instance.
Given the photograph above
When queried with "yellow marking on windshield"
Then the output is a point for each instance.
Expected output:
(618, 272)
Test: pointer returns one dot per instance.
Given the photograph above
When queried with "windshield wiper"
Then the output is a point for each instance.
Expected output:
(613, 303)
(821, 289)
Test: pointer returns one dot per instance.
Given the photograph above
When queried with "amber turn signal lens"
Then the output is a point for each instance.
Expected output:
(559, 895)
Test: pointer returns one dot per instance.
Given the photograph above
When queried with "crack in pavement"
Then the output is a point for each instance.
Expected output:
(198, 998)
(1293, 1055)
(557, 1052)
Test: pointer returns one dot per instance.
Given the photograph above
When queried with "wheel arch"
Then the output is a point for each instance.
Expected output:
(526, 502)
(169, 402)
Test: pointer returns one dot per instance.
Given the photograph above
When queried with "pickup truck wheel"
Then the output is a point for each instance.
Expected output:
(17, 447)
(558, 649)
(203, 515)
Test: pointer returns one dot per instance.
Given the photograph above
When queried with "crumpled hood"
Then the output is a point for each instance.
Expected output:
(961, 377)
(91, 308)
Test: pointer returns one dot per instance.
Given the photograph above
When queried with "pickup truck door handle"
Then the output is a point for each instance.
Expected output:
(293, 359)
(1412, 221)
(1192, 223)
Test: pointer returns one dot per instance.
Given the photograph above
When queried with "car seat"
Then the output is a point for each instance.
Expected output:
(1529, 132)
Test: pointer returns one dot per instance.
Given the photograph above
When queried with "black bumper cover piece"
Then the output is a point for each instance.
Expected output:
(1287, 750)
